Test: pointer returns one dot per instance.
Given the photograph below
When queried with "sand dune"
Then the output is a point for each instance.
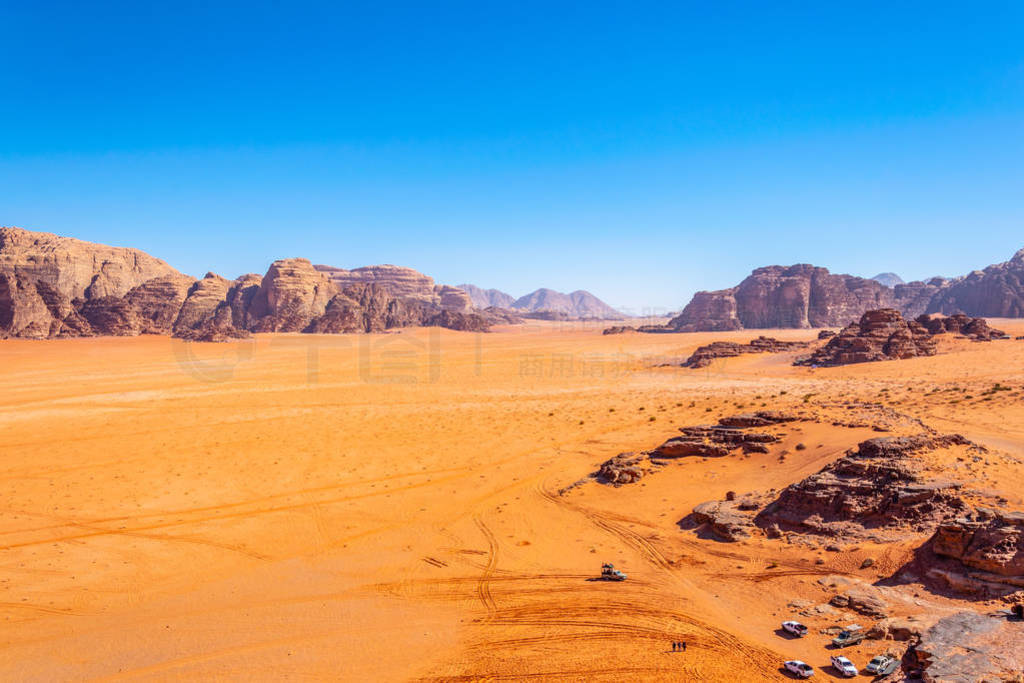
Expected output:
(386, 506)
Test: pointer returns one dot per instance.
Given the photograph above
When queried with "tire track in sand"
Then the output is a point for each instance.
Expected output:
(483, 586)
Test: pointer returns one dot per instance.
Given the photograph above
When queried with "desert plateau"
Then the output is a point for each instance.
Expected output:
(418, 505)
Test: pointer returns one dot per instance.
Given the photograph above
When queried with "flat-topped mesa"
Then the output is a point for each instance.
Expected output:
(881, 334)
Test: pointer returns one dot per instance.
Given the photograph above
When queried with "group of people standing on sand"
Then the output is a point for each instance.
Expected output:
(679, 646)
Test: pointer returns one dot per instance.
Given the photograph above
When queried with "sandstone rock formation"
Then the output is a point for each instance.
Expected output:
(728, 435)
(807, 296)
(625, 468)
(958, 323)
(990, 541)
(705, 355)
(881, 334)
(43, 275)
(968, 647)
(995, 292)
(729, 520)
(713, 441)
(54, 286)
(400, 283)
(796, 296)
(876, 488)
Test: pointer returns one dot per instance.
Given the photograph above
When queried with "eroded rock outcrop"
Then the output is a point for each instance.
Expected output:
(707, 354)
(968, 647)
(881, 334)
(958, 323)
(730, 434)
(625, 468)
(876, 488)
(731, 519)
(990, 541)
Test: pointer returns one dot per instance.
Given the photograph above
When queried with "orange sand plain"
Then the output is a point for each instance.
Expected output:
(386, 507)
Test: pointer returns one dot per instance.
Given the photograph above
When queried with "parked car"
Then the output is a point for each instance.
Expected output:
(882, 665)
(798, 668)
(843, 665)
(794, 627)
(850, 635)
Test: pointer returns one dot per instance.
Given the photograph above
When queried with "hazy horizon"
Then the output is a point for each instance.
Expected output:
(640, 153)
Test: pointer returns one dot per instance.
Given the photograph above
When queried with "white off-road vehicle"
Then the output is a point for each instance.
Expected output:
(798, 668)
(794, 627)
(844, 666)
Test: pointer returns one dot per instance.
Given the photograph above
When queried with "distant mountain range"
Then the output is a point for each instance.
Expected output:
(578, 304)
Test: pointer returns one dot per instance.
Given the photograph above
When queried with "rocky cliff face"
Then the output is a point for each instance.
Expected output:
(54, 286)
(43, 275)
(797, 296)
(996, 292)
(401, 282)
(807, 296)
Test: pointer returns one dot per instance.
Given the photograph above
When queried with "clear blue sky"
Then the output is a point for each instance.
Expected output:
(641, 151)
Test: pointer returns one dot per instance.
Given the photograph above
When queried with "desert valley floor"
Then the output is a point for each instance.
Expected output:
(390, 507)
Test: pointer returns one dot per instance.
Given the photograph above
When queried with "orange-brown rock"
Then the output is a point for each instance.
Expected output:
(958, 323)
(42, 275)
(879, 486)
(292, 295)
(704, 355)
(881, 334)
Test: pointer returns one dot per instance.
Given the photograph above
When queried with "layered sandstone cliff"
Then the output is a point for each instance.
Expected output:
(45, 281)
(53, 286)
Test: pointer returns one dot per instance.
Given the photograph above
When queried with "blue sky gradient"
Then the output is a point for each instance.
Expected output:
(641, 151)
